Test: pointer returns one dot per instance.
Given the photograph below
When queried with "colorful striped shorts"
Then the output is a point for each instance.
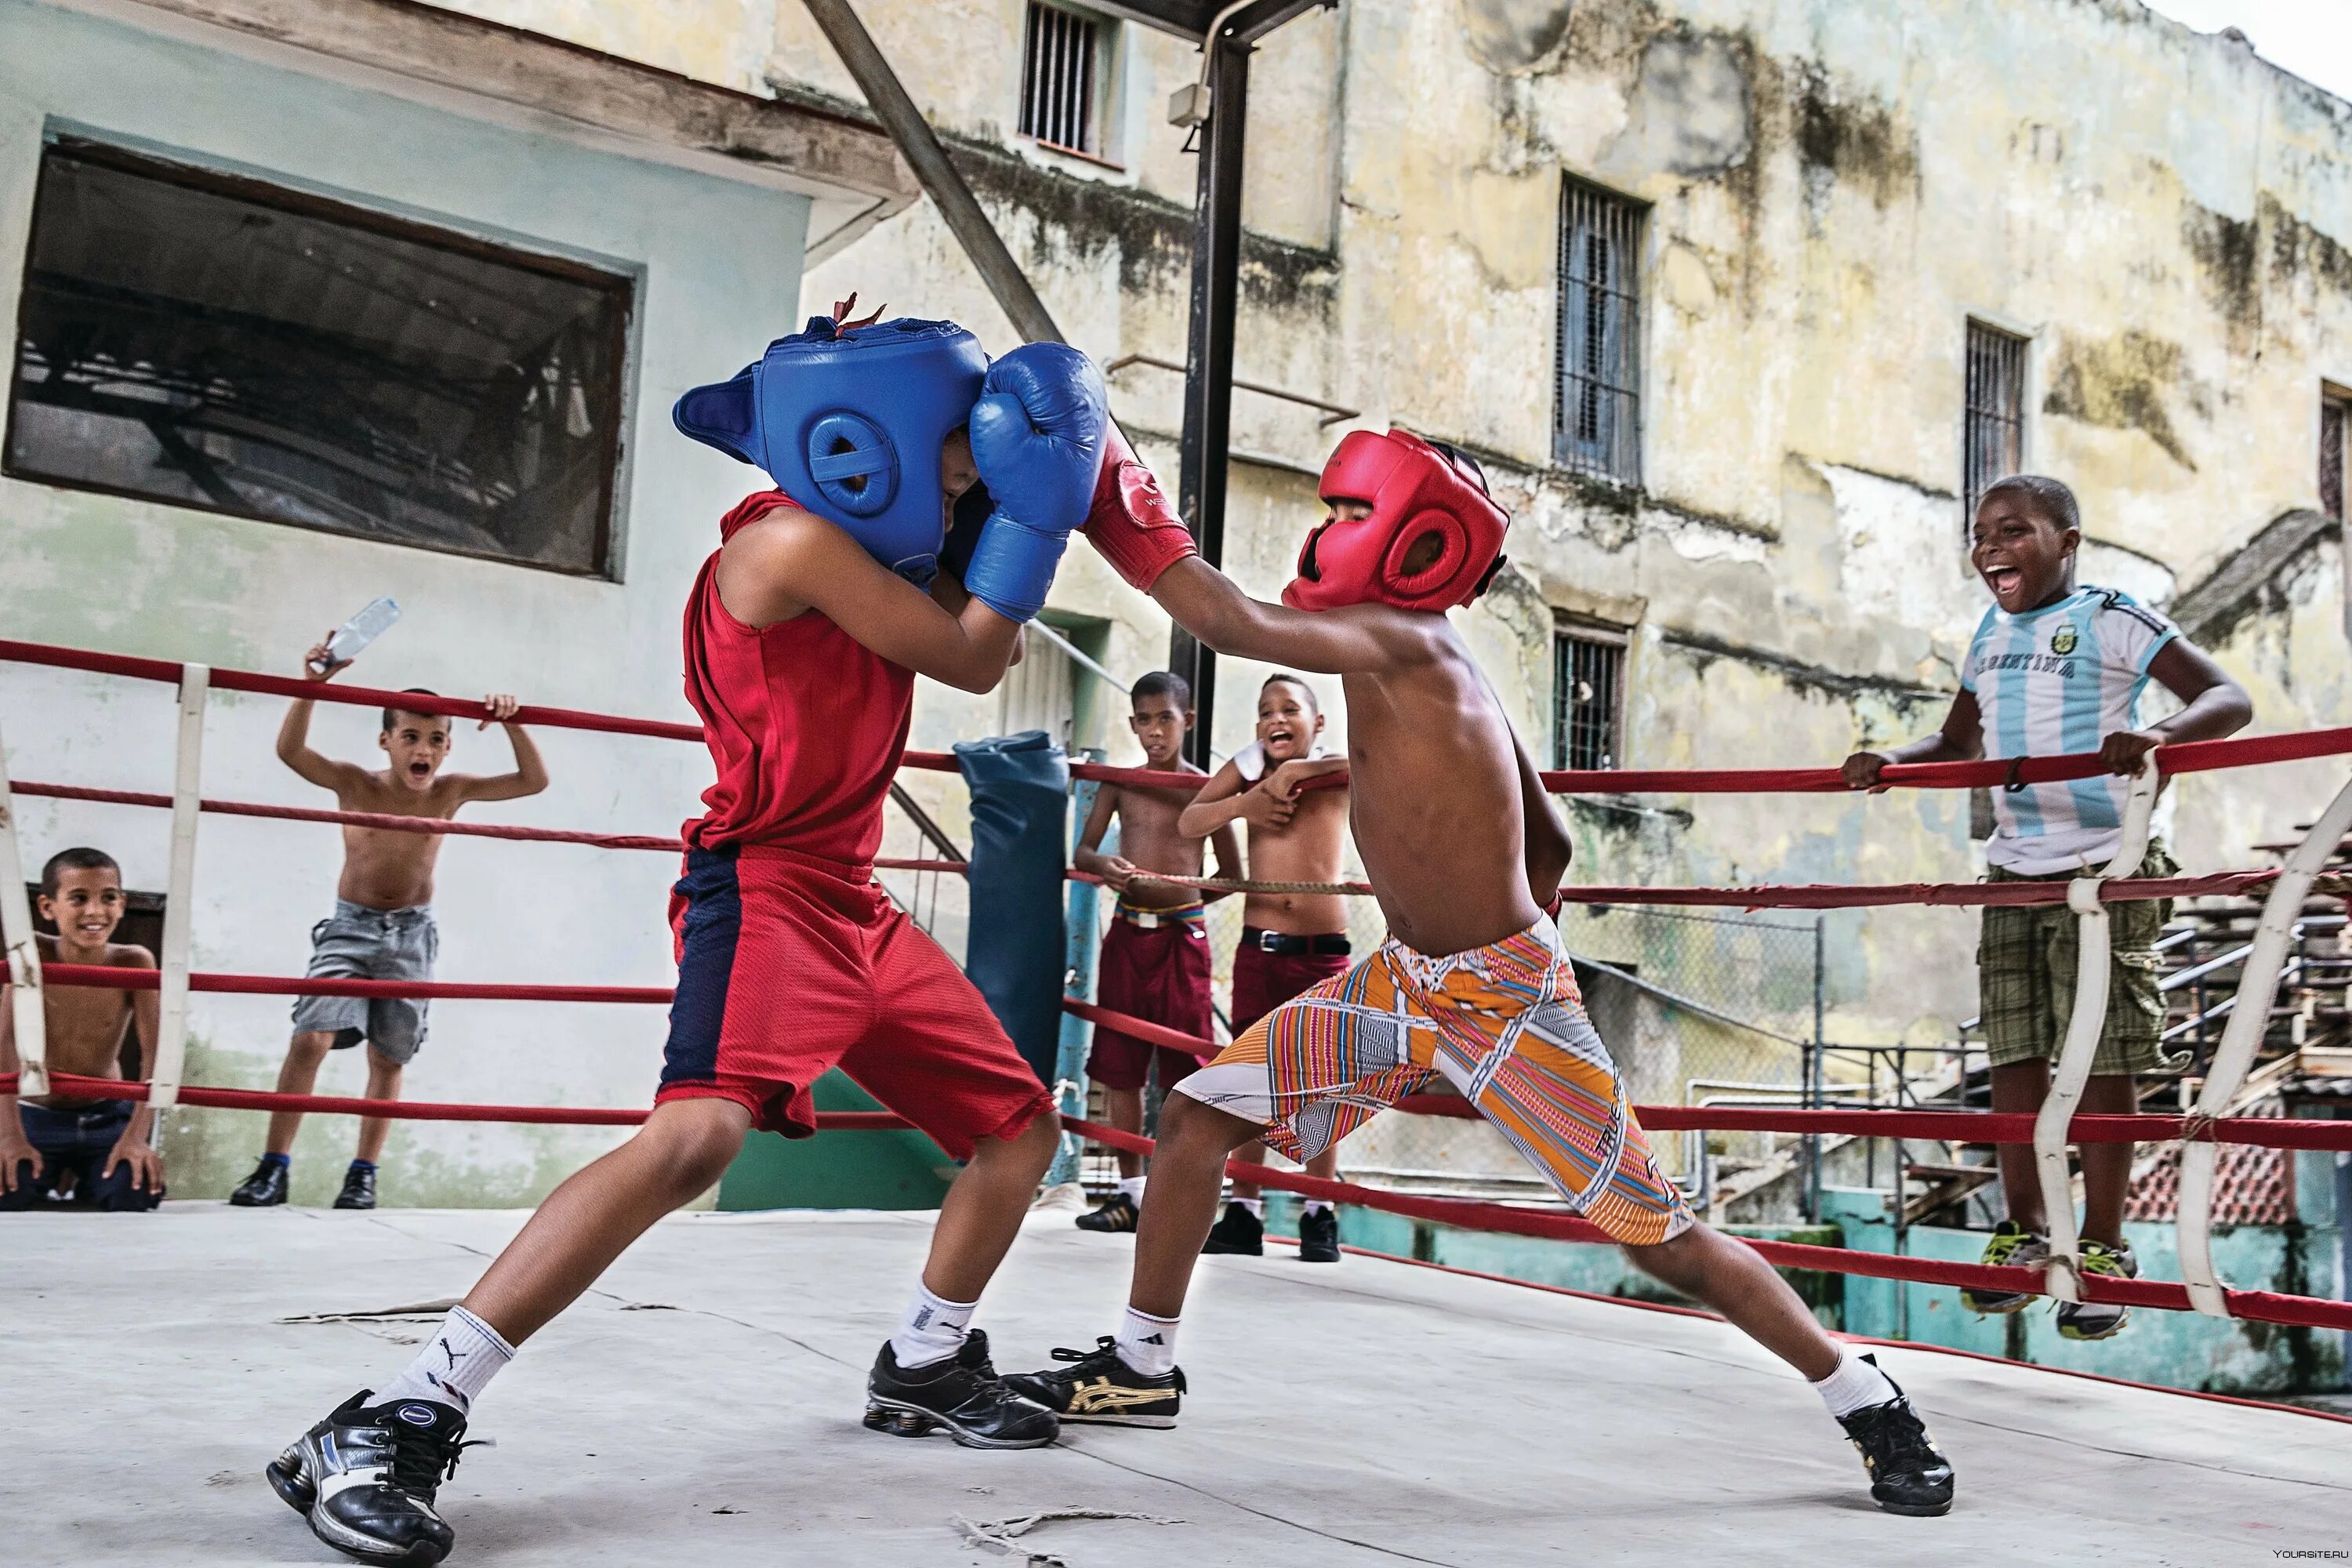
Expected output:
(1503, 1024)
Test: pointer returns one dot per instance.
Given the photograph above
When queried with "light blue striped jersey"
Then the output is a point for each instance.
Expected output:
(2056, 680)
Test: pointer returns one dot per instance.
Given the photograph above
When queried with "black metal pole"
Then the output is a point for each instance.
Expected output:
(1209, 356)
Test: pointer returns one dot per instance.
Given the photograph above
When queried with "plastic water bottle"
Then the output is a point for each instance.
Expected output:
(352, 637)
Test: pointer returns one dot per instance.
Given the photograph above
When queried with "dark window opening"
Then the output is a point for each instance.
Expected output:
(1058, 70)
(1597, 423)
(215, 342)
(1994, 437)
(2334, 431)
(1588, 688)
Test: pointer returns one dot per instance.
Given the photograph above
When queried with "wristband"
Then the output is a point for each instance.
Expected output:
(1131, 522)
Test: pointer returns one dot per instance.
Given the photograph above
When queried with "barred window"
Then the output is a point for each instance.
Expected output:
(1993, 435)
(1060, 80)
(1596, 425)
(2334, 431)
(1588, 687)
(215, 342)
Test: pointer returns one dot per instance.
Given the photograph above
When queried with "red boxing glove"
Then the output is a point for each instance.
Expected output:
(1131, 522)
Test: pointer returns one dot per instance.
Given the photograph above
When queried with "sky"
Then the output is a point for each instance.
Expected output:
(2313, 39)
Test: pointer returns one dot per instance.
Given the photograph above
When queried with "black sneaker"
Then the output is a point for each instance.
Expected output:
(1319, 1235)
(366, 1475)
(963, 1394)
(1099, 1388)
(1117, 1212)
(1239, 1231)
(266, 1188)
(1908, 1474)
(359, 1188)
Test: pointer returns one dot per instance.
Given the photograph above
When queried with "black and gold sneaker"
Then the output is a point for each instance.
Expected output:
(1099, 1388)
(962, 1395)
(1117, 1212)
(1908, 1474)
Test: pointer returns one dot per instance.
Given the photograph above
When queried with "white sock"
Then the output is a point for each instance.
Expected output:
(1133, 1187)
(1856, 1384)
(933, 1329)
(1317, 1205)
(1148, 1343)
(1255, 1206)
(455, 1365)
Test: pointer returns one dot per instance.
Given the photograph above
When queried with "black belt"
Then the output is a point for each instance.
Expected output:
(1330, 943)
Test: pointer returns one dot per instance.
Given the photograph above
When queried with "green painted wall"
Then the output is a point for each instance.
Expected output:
(849, 1170)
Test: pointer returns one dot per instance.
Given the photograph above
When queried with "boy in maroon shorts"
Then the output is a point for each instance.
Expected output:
(1290, 942)
(803, 635)
(1154, 964)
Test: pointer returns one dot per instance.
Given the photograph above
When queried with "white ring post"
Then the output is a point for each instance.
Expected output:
(171, 1037)
(2249, 1017)
(24, 953)
(2088, 1021)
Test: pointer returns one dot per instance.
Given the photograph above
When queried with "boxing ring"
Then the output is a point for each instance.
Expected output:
(1287, 1458)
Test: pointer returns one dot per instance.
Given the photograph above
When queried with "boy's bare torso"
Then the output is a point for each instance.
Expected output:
(1434, 784)
(1311, 847)
(389, 870)
(86, 1025)
(1148, 838)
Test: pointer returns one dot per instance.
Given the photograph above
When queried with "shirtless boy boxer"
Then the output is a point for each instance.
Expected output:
(383, 925)
(1289, 940)
(1464, 851)
(103, 1145)
(1154, 964)
(803, 635)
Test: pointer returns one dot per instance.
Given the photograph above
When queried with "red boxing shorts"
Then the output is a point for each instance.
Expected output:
(1159, 974)
(789, 964)
(1264, 981)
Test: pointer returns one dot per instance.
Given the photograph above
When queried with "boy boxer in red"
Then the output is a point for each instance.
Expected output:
(1464, 851)
(803, 635)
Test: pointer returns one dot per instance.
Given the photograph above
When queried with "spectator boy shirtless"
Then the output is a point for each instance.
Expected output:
(1154, 964)
(1464, 851)
(1290, 942)
(104, 1147)
(383, 925)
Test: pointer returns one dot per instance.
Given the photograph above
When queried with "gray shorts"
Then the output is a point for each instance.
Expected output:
(357, 943)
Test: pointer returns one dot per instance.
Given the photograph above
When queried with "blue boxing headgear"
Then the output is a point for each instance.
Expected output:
(848, 423)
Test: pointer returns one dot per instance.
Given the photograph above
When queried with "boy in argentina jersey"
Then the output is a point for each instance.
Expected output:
(2057, 669)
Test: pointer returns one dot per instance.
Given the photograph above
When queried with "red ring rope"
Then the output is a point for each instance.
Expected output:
(2263, 1306)
(2195, 756)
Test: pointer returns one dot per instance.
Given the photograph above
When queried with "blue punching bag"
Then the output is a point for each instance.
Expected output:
(1020, 810)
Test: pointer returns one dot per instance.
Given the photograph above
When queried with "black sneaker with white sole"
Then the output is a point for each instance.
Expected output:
(1908, 1474)
(963, 1395)
(1099, 1388)
(365, 1478)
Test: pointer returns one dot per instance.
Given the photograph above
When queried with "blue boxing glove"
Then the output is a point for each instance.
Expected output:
(1037, 440)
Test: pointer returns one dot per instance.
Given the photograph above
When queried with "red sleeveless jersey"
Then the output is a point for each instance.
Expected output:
(805, 724)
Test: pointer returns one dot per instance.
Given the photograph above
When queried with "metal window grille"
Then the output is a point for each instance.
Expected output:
(1058, 79)
(2335, 429)
(1587, 685)
(1597, 423)
(1993, 442)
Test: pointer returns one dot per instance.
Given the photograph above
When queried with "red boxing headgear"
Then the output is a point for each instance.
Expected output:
(1415, 489)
